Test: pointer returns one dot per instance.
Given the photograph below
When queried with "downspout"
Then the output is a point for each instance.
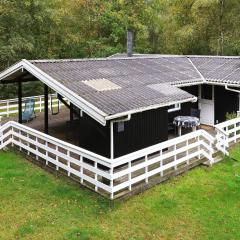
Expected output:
(112, 133)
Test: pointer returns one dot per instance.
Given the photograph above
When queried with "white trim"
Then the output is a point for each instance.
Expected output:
(111, 140)
(220, 83)
(187, 83)
(14, 68)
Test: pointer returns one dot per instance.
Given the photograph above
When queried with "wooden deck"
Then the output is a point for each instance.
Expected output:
(58, 126)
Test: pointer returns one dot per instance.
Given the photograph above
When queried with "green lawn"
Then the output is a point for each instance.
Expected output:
(202, 204)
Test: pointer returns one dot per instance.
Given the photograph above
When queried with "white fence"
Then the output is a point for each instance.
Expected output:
(10, 106)
(227, 133)
(89, 167)
(159, 159)
(104, 175)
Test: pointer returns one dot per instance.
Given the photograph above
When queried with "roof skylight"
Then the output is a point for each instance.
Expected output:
(101, 84)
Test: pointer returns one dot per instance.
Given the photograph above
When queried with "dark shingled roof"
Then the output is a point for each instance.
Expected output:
(134, 76)
(219, 69)
(118, 85)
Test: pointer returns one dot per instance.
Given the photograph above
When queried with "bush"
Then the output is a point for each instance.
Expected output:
(231, 115)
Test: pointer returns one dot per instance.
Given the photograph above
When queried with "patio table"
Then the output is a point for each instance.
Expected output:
(186, 122)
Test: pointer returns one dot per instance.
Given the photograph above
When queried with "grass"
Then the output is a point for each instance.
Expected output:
(202, 204)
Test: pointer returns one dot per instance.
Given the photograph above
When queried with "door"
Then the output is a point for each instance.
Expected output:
(206, 104)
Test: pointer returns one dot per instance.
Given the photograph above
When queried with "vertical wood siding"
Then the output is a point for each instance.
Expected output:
(143, 130)
(225, 101)
(93, 136)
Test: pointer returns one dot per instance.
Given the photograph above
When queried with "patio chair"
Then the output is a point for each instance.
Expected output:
(195, 112)
(29, 113)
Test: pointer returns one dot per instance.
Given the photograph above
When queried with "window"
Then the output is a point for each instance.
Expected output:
(174, 108)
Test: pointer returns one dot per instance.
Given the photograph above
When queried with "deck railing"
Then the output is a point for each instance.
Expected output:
(10, 106)
(157, 160)
(90, 168)
(104, 175)
(228, 133)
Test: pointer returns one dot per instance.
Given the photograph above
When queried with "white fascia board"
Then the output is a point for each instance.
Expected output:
(220, 83)
(11, 70)
(187, 84)
(118, 115)
(208, 82)
(88, 108)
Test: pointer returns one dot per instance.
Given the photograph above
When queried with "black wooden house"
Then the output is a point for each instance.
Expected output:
(122, 104)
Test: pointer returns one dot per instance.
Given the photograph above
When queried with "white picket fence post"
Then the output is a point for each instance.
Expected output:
(146, 169)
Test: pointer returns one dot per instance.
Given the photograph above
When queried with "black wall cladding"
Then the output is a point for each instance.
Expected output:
(225, 101)
(143, 130)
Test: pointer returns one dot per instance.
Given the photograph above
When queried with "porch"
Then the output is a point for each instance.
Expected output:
(60, 125)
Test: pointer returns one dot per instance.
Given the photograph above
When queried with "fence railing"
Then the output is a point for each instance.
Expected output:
(10, 106)
(228, 133)
(104, 175)
(159, 159)
(90, 168)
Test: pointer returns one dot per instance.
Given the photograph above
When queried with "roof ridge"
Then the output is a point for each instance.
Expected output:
(101, 59)
(212, 56)
(138, 56)
(195, 67)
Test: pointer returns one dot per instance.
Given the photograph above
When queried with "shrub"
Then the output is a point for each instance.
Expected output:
(231, 115)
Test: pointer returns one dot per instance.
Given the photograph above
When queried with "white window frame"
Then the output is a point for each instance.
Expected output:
(177, 107)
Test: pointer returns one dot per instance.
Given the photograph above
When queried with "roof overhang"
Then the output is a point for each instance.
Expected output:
(222, 83)
(187, 83)
(111, 117)
(79, 102)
